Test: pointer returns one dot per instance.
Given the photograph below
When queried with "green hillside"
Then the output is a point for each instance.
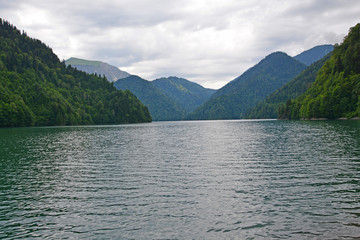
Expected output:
(268, 108)
(336, 90)
(187, 94)
(36, 89)
(161, 107)
(234, 99)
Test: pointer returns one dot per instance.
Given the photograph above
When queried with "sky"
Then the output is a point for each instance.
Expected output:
(209, 42)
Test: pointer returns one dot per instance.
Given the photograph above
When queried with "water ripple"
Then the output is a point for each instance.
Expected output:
(182, 180)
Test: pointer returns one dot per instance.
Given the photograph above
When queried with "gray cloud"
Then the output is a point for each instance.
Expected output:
(207, 41)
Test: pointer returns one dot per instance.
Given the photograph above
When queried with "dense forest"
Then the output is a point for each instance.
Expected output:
(36, 89)
(169, 98)
(336, 90)
(188, 95)
(314, 54)
(268, 108)
(234, 99)
(161, 107)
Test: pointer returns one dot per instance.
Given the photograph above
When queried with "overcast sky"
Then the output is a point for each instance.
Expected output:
(206, 41)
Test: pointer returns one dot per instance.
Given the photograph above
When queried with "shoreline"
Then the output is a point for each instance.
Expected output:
(322, 119)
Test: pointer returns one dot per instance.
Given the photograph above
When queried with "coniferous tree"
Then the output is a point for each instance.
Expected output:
(37, 89)
(336, 90)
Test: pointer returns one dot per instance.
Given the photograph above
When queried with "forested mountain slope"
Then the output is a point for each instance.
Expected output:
(36, 89)
(336, 90)
(314, 54)
(269, 107)
(234, 99)
(161, 107)
(187, 94)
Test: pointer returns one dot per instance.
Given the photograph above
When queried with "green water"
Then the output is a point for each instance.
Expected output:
(182, 180)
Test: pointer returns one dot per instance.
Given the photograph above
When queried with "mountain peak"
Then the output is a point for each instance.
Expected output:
(314, 54)
(81, 62)
(336, 90)
(161, 107)
(234, 99)
(277, 53)
(112, 73)
(188, 94)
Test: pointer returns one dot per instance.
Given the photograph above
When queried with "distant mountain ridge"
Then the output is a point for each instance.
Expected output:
(314, 54)
(161, 107)
(268, 108)
(234, 99)
(169, 98)
(187, 94)
(336, 90)
(174, 98)
(112, 73)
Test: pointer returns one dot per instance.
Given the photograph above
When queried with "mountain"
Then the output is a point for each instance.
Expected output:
(314, 54)
(268, 108)
(234, 99)
(336, 90)
(188, 95)
(37, 89)
(112, 73)
(167, 98)
(161, 107)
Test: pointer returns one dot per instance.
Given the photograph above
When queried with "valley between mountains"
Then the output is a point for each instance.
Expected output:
(174, 98)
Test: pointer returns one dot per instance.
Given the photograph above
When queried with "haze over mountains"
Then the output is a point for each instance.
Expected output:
(112, 73)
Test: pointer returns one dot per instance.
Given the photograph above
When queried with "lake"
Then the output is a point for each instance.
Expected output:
(182, 180)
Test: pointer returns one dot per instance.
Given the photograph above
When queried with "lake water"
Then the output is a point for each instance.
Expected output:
(182, 180)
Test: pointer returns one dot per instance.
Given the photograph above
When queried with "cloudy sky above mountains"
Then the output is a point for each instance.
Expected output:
(206, 41)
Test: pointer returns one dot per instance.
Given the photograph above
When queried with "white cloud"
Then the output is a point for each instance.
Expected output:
(207, 41)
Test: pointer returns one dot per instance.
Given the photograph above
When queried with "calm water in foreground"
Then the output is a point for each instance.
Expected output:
(182, 180)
